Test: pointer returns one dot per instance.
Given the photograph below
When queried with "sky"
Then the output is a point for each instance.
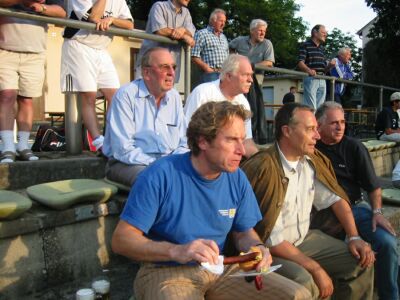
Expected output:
(346, 15)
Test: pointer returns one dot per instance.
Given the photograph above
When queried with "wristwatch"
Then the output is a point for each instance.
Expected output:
(377, 211)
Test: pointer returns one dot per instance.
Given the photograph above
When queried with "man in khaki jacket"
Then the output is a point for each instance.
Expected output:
(289, 179)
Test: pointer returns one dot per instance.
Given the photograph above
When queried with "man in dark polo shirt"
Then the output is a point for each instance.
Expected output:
(387, 121)
(354, 171)
(312, 61)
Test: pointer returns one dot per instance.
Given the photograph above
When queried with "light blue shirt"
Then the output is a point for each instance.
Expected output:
(138, 132)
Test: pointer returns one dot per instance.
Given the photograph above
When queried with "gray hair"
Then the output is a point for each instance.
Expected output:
(231, 64)
(256, 23)
(344, 50)
(214, 13)
(320, 114)
(147, 56)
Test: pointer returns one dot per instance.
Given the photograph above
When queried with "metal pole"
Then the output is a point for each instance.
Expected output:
(187, 72)
(380, 98)
(332, 94)
(73, 123)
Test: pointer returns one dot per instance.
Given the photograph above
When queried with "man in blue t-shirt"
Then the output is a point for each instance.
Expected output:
(181, 209)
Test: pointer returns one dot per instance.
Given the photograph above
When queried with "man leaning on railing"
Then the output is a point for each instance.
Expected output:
(22, 59)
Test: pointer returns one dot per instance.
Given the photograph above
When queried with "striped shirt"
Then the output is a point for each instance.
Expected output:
(211, 48)
(313, 56)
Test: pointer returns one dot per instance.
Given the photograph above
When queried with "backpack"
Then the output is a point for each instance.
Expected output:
(49, 138)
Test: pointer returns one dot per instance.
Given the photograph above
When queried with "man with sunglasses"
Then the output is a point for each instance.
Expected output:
(145, 120)
(387, 121)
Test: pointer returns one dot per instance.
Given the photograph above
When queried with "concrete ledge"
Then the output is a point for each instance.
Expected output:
(384, 160)
(52, 166)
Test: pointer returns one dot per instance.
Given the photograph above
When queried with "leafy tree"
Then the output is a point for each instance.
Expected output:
(381, 54)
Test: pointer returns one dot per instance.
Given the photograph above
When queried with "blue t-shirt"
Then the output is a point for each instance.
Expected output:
(171, 202)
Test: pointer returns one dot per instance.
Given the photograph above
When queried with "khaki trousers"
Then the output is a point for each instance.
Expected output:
(194, 283)
(349, 279)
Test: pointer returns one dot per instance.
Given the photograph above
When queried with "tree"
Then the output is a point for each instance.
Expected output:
(381, 54)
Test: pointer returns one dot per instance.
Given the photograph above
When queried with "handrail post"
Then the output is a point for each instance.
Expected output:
(380, 98)
(187, 71)
(332, 94)
(73, 123)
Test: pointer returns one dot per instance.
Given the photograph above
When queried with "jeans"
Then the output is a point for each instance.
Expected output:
(385, 245)
(314, 91)
(207, 77)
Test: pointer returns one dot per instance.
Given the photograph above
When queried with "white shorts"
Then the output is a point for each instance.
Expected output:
(85, 69)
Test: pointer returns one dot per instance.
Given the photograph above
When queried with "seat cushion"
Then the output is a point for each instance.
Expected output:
(12, 205)
(391, 196)
(120, 186)
(65, 193)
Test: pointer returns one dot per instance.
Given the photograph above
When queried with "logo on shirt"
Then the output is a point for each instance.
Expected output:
(230, 213)
(342, 166)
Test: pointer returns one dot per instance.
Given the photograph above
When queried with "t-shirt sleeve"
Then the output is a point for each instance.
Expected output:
(323, 197)
(302, 53)
(248, 212)
(125, 12)
(233, 44)
(143, 203)
(81, 8)
(269, 52)
(193, 102)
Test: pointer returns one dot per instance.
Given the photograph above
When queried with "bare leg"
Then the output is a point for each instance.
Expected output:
(108, 94)
(89, 113)
(25, 113)
(7, 113)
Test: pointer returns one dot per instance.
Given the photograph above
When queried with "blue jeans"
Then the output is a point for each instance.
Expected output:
(385, 244)
(314, 91)
(207, 77)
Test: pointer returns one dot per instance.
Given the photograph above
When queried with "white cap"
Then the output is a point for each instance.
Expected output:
(395, 96)
(85, 294)
(101, 286)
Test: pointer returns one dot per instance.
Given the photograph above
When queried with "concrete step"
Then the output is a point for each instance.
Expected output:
(52, 166)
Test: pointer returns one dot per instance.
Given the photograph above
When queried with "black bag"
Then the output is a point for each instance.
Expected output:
(49, 138)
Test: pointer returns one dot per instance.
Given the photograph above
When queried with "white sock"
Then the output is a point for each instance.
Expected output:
(23, 138)
(7, 136)
(98, 142)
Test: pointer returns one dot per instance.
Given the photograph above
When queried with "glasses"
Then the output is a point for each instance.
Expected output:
(164, 67)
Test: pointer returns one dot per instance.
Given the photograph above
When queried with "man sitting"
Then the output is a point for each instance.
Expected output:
(354, 170)
(235, 80)
(289, 179)
(387, 121)
(181, 209)
(145, 120)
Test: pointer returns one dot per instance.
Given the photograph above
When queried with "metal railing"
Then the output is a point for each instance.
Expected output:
(73, 130)
(332, 80)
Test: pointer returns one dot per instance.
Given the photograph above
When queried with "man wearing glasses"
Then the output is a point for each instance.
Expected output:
(145, 120)
(387, 121)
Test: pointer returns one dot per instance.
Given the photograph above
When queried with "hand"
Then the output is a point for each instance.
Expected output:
(36, 7)
(266, 259)
(104, 24)
(188, 40)
(311, 72)
(178, 33)
(331, 64)
(362, 251)
(380, 220)
(323, 282)
(197, 250)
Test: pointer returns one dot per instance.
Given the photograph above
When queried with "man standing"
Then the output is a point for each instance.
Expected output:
(145, 120)
(301, 178)
(211, 47)
(171, 19)
(342, 70)
(289, 97)
(236, 78)
(354, 170)
(181, 210)
(256, 47)
(86, 66)
(312, 61)
(22, 60)
(387, 121)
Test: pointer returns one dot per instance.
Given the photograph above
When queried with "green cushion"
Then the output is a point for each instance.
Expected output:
(373, 145)
(65, 193)
(391, 196)
(13, 205)
(120, 186)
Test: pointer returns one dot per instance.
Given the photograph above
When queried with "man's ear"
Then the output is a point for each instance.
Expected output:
(202, 143)
(286, 130)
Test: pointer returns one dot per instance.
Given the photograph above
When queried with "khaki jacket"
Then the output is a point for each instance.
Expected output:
(265, 173)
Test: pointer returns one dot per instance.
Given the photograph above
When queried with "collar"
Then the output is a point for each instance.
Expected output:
(211, 29)
(143, 91)
(289, 165)
(173, 7)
